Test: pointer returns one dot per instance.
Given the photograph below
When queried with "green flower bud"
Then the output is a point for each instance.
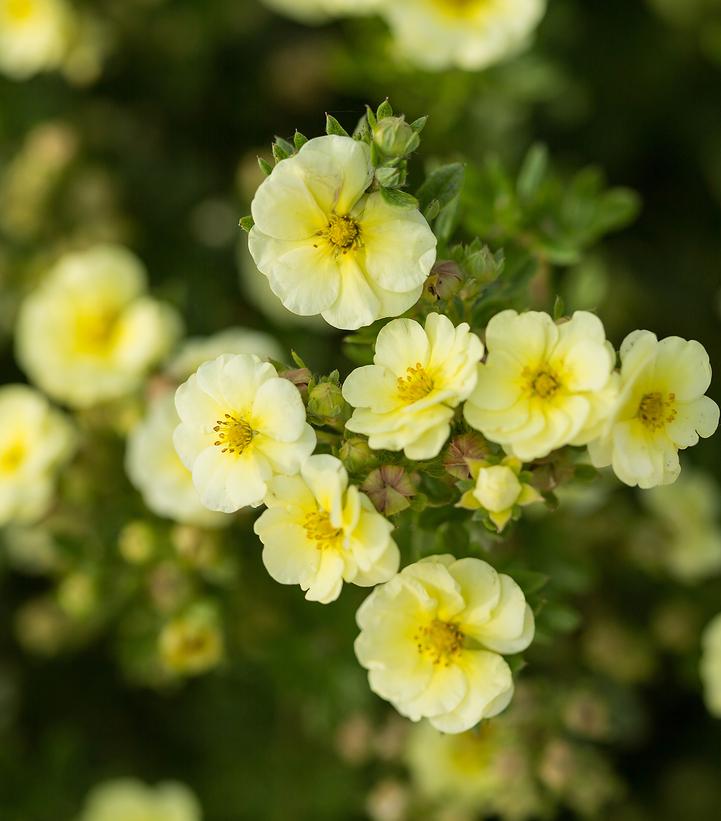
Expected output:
(357, 456)
(136, 542)
(395, 138)
(389, 488)
(326, 402)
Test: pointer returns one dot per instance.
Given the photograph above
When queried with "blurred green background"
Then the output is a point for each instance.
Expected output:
(159, 153)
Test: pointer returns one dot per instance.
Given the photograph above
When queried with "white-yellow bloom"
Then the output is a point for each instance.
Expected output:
(241, 424)
(660, 409)
(154, 467)
(34, 35)
(89, 333)
(499, 490)
(406, 399)
(318, 532)
(432, 639)
(126, 799)
(35, 441)
(328, 247)
(317, 11)
(689, 510)
(711, 665)
(197, 350)
(467, 34)
(543, 385)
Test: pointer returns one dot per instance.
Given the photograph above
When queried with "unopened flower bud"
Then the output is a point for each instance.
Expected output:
(300, 377)
(395, 138)
(389, 488)
(463, 451)
(326, 401)
(77, 595)
(356, 455)
(445, 280)
(136, 542)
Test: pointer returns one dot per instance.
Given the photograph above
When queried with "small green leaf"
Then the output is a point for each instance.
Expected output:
(419, 124)
(265, 166)
(298, 361)
(443, 185)
(332, 126)
(246, 223)
(282, 150)
(372, 121)
(398, 198)
(559, 308)
(532, 172)
(299, 140)
(433, 209)
(384, 109)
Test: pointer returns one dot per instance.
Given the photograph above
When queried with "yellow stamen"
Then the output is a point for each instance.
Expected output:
(12, 457)
(343, 233)
(415, 385)
(234, 435)
(95, 331)
(461, 8)
(439, 641)
(543, 383)
(318, 529)
(655, 411)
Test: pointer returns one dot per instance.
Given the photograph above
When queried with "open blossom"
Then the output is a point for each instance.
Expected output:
(155, 469)
(468, 34)
(34, 35)
(406, 399)
(660, 409)
(499, 490)
(89, 333)
(35, 441)
(543, 385)
(240, 425)
(328, 247)
(126, 799)
(711, 665)
(319, 532)
(432, 639)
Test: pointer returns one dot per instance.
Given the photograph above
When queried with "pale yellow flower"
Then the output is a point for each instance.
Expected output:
(34, 35)
(467, 34)
(196, 350)
(432, 639)
(154, 467)
(319, 532)
(192, 643)
(126, 799)
(240, 425)
(35, 441)
(543, 385)
(660, 409)
(89, 333)
(711, 665)
(499, 490)
(406, 399)
(328, 247)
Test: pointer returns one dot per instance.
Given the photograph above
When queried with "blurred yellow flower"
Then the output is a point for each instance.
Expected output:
(89, 333)
(35, 441)
(125, 799)
(192, 643)
(329, 248)
(155, 469)
(34, 35)
(711, 665)
(498, 490)
(543, 385)
(318, 532)
(406, 399)
(660, 409)
(431, 639)
(240, 425)
(467, 34)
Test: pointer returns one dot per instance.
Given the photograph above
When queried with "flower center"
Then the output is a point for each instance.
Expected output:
(95, 331)
(318, 529)
(342, 232)
(461, 8)
(415, 385)
(655, 411)
(20, 10)
(439, 641)
(11, 458)
(545, 384)
(234, 435)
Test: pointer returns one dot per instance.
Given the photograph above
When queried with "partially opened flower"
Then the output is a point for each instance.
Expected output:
(126, 799)
(711, 665)
(328, 247)
(34, 35)
(35, 441)
(89, 333)
(543, 385)
(319, 532)
(660, 409)
(468, 34)
(241, 424)
(406, 399)
(432, 639)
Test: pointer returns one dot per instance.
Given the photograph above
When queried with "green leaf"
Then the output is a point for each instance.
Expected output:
(443, 185)
(265, 166)
(447, 220)
(332, 126)
(529, 580)
(559, 308)
(372, 121)
(433, 209)
(532, 172)
(246, 223)
(616, 209)
(299, 140)
(419, 124)
(398, 198)
(384, 109)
